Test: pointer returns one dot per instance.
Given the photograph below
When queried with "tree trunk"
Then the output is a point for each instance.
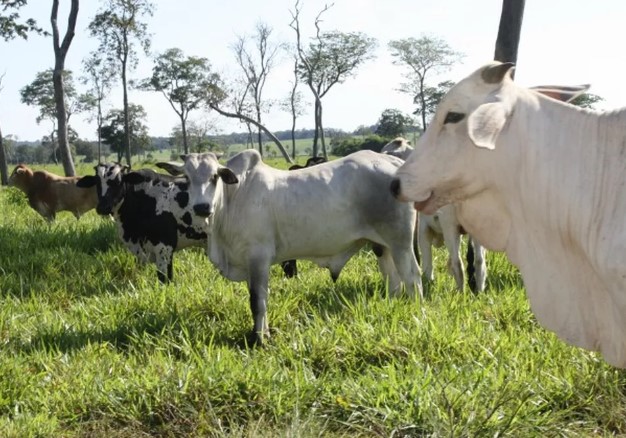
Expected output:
(322, 137)
(126, 116)
(314, 152)
(293, 134)
(509, 31)
(258, 125)
(4, 170)
(99, 120)
(60, 52)
(183, 124)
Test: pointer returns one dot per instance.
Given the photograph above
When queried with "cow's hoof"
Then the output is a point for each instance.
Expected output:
(254, 339)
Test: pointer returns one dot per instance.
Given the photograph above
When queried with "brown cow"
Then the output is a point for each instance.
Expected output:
(48, 193)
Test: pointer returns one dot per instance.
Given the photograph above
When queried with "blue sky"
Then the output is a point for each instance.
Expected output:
(562, 42)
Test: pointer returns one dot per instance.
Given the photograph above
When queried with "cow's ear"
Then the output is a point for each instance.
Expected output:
(134, 178)
(86, 181)
(485, 123)
(171, 168)
(562, 92)
(227, 175)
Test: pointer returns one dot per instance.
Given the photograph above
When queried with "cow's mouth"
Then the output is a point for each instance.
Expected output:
(428, 205)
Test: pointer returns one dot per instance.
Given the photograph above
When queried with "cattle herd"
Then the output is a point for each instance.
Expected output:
(519, 169)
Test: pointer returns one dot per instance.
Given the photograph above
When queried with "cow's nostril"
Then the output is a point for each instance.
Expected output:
(395, 187)
(202, 209)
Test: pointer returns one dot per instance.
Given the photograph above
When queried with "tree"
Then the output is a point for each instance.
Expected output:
(100, 75)
(587, 100)
(4, 171)
(218, 95)
(197, 136)
(423, 56)
(114, 131)
(256, 66)
(12, 26)
(509, 31)
(432, 97)
(184, 81)
(294, 104)
(330, 59)
(119, 29)
(41, 93)
(393, 123)
(60, 52)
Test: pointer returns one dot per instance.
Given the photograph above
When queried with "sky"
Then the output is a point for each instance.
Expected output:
(563, 42)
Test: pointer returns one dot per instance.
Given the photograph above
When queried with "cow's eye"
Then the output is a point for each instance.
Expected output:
(453, 117)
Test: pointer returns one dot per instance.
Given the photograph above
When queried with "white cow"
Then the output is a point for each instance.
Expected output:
(543, 181)
(260, 215)
(398, 147)
(443, 228)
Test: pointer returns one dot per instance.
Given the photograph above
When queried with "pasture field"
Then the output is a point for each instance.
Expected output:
(92, 346)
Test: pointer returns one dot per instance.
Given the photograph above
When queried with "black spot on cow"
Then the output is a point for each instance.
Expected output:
(191, 233)
(187, 218)
(182, 198)
(137, 227)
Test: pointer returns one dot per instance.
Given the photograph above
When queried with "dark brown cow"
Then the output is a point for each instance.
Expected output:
(49, 193)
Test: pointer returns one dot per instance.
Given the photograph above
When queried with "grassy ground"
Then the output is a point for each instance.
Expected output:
(92, 346)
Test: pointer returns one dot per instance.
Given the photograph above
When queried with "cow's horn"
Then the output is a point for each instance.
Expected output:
(495, 73)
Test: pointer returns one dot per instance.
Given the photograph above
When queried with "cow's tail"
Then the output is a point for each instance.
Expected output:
(471, 272)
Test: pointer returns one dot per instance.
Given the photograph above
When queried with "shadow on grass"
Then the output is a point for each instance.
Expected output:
(141, 330)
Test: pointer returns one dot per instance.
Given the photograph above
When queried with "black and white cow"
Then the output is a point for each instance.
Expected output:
(151, 210)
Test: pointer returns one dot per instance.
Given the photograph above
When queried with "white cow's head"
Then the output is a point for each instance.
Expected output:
(398, 147)
(450, 161)
(467, 123)
(205, 175)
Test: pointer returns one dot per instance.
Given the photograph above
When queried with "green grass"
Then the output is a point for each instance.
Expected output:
(92, 346)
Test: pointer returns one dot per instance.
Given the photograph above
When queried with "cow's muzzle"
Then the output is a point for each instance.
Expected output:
(203, 210)
(103, 209)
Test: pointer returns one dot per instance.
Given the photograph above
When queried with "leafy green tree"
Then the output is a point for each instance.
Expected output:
(392, 123)
(13, 26)
(432, 97)
(330, 59)
(587, 100)
(60, 52)
(119, 28)
(423, 56)
(41, 93)
(99, 75)
(184, 81)
(113, 131)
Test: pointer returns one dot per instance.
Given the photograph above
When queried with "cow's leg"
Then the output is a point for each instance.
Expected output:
(290, 268)
(388, 269)
(452, 240)
(408, 269)
(258, 286)
(164, 256)
(425, 244)
(480, 264)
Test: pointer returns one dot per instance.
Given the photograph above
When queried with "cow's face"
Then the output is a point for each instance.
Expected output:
(443, 167)
(205, 175)
(110, 187)
(20, 176)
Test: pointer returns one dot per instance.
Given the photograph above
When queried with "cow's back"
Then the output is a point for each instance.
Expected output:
(322, 210)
